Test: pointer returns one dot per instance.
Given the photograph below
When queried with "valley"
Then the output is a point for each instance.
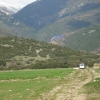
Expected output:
(42, 46)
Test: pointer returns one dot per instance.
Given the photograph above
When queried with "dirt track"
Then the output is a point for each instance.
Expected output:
(72, 90)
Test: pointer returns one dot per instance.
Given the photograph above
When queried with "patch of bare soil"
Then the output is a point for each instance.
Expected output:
(72, 89)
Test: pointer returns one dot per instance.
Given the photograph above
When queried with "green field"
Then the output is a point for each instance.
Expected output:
(30, 84)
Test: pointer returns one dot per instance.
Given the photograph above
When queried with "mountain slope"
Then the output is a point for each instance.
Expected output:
(4, 32)
(40, 13)
(59, 16)
(85, 40)
(8, 7)
(15, 27)
(71, 21)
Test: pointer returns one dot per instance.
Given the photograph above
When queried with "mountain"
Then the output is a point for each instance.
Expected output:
(66, 17)
(8, 7)
(41, 13)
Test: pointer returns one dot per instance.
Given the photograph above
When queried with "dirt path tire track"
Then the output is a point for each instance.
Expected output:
(82, 96)
(72, 90)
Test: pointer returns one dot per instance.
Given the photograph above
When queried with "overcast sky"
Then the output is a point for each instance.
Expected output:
(21, 2)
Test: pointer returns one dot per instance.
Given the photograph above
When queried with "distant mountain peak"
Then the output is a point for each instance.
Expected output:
(9, 8)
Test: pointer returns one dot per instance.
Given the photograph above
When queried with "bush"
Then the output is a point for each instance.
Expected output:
(28, 62)
(18, 63)
(2, 63)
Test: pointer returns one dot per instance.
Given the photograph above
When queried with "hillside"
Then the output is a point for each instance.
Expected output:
(70, 18)
(62, 18)
(19, 53)
(15, 27)
(66, 17)
(87, 40)
(40, 13)
(71, 23)
(4, 32)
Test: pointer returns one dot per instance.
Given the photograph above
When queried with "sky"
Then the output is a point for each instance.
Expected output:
(20, 2)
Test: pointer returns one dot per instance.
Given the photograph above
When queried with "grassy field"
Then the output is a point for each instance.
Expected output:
(30, 84)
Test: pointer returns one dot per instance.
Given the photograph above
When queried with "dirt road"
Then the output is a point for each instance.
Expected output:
(73, 88)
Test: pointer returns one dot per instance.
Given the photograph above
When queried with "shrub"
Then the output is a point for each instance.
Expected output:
(2, 63)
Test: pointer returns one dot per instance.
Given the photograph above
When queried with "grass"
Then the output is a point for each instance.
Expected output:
(93, 88)
(24, 90)
(30, 84)
(31, 74)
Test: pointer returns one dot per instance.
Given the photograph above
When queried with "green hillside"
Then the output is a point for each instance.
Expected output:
(19, 53)
(85, 40)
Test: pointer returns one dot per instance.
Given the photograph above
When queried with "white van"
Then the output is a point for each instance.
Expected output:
(82, 66)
